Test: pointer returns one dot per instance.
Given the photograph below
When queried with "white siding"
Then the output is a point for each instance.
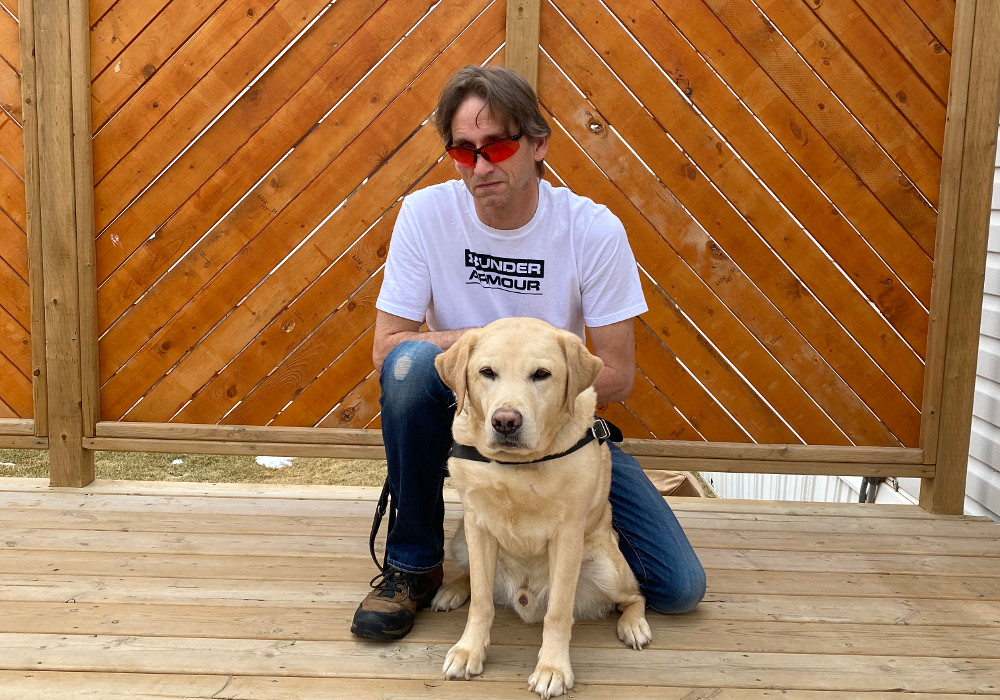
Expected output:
(797, 487)
(982, 491)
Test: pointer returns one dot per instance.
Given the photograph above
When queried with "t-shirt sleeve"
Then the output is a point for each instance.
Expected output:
(610, 285)
(406, 287)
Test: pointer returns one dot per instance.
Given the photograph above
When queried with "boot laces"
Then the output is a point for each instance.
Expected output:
(389, 582)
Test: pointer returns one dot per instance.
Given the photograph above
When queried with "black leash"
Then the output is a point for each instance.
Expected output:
(384, 503)
(601, 430)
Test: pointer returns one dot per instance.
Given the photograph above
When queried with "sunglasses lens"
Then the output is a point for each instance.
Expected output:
(500, 150)
(463, 156)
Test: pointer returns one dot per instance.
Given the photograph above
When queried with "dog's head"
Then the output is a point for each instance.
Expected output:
(519, 383)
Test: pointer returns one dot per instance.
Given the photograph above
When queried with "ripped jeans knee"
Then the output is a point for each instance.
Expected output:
(409, 378)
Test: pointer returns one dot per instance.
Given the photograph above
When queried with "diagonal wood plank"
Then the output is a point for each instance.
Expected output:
(11, 144)
(922, 49)
(10, 92)
(115, 29)
(264, 306)
(240, 149)
(915, 154)
(757, 145)
(254, 51)
(321, 396)
(938, 16)
(164, 88)
(305, 171)
(863, 200)
(358, 409)
(886, 66)
(14, 246)
(10, 41)
(697, 296)
(330, 339)
(12, 202)
(851, 142)
(15, 387)
(17, 342)
(772, 218)
(157, 43)
(784, 290)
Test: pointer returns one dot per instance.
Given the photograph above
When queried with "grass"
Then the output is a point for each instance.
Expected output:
(153, 466)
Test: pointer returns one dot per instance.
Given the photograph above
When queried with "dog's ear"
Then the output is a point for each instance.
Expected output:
(582, 369)
(453, 365)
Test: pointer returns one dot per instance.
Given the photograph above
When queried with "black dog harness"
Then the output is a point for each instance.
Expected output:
(601, 430)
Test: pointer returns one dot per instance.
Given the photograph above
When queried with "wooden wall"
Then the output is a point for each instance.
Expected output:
(788, 172)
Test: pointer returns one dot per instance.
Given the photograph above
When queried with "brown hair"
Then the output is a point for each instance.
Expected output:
(509, 100)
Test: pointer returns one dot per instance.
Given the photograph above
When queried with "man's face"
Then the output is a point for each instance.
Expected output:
(505, 193)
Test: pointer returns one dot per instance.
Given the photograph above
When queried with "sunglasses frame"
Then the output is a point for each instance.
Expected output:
(477, 152)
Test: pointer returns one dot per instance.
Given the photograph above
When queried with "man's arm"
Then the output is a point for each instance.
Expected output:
(392, 330)
(615, 345)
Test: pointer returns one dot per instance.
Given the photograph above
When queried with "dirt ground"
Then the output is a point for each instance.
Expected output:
(151, 466)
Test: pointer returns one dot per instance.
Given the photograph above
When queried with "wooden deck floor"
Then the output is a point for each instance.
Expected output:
(130, 590)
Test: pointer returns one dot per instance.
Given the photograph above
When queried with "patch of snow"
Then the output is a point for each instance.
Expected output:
(274, 462)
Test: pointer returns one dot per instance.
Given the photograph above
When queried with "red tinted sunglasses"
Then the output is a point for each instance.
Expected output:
(495, 151)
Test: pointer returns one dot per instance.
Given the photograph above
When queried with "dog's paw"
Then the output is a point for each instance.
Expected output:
(550, 680)
(634, 631)
(451, 595)
(462, 663)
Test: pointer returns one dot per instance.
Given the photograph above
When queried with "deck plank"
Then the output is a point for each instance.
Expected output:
(143, 590)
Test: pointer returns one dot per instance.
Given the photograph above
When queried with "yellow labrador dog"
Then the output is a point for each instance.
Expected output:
(537, 533)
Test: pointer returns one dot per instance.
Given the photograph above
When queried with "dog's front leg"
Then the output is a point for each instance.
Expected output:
(466, 658)
(553, 674)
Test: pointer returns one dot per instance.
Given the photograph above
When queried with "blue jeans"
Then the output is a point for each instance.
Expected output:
(417, 411)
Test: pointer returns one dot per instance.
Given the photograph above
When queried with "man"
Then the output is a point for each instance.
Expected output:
(501, 242)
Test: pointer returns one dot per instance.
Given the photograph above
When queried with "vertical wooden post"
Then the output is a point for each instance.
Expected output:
(521, 53)
(960, 253)
(57, 34)
(35, 263)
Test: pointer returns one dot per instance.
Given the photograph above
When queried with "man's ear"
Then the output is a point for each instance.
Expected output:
(452, 365)
(582, 369)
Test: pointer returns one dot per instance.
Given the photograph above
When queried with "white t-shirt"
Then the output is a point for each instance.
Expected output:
(571, 265)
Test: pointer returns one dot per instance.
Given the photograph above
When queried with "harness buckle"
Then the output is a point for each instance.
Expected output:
(600, 429)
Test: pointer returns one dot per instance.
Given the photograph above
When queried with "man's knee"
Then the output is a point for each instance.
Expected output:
(679, 595)
(407, 372)
(410, 361)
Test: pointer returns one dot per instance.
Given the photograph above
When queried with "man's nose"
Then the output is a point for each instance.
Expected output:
(483, 166)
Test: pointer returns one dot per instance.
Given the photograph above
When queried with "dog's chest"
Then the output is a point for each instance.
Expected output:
(522, 513)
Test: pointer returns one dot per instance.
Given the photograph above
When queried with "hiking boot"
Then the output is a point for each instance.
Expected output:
(387, 612)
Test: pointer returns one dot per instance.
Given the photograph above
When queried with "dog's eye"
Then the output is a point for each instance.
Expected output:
(487, 372)
(541, 374)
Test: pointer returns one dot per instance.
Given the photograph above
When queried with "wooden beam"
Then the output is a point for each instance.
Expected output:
(29, 99)
(960, 253)
(61, 40)
(653, 455)
(521, 53)
(24, 442)
(17, 426)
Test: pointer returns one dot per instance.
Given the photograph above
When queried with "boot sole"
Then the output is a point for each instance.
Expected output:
(371, 629)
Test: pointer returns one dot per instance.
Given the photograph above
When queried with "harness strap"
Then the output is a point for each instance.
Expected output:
(601, 430)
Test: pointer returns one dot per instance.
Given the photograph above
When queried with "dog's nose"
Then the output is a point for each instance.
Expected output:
(506, 420)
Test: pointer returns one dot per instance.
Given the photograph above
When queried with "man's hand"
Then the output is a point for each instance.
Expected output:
(392, 330)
